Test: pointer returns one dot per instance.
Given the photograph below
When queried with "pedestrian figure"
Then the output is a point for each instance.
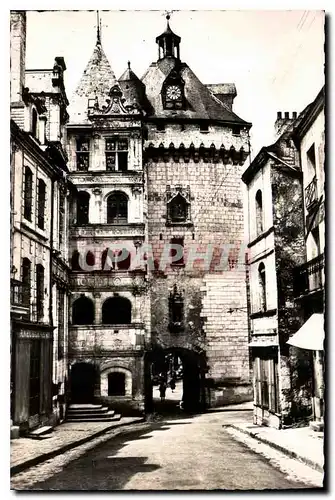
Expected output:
(162, 390)
(172, 384)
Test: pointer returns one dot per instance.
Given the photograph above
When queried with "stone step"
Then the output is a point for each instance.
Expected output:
(115, 418)
(42, 430)
(84, 407)
(83, 414)
(41, 433)
(76, 411)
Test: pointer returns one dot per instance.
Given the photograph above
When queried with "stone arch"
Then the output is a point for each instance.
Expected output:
(116, 310)
(83, 311)
(118, 376)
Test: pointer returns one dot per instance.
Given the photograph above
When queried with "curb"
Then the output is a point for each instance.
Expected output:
(277, 447)
(51, 454)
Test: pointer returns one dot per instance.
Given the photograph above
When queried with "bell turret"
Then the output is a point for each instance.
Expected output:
(168, 43)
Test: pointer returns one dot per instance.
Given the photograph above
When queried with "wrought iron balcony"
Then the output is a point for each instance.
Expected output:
(311, 194)
(20, 298)
(309, 277)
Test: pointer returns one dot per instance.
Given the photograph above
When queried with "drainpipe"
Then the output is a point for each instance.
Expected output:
(50, 295)
(51, 250)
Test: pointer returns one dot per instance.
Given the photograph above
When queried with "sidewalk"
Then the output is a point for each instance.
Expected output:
(301, 443)
(27, 452)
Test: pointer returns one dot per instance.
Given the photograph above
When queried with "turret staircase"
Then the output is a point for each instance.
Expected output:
(91, 413)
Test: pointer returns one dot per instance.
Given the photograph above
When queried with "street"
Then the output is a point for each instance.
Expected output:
(180, 453)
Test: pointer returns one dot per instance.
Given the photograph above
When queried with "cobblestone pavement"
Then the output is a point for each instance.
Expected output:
(194, 453)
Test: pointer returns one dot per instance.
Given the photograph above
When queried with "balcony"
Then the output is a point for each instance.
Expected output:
(20, 299)
(97, 339)
(309, 277)
(116, 280)
(311, 196)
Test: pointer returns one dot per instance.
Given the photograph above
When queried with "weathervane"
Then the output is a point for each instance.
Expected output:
(167, 14)
(99, 28)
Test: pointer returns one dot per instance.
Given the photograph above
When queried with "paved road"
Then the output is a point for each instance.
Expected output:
(193, 453)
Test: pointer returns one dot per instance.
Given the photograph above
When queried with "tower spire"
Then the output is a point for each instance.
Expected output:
(98, 29)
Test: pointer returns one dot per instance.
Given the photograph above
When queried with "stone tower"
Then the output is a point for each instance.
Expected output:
(194, 151)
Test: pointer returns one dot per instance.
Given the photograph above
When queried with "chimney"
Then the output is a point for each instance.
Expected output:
(17, 54)
(284, 119)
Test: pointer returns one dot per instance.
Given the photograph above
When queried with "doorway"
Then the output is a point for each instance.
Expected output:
(83, 377)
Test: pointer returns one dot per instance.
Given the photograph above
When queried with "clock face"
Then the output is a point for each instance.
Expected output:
(173, 92)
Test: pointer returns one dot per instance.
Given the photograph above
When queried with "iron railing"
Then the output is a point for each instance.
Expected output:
(311, 194)
(309, 277)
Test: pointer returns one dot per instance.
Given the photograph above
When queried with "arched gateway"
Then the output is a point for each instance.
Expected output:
(186, 365)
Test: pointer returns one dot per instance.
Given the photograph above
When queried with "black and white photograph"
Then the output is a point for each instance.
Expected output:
(167, 242)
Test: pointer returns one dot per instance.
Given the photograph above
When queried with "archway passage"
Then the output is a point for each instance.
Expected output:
(83, 378)
(184, 367)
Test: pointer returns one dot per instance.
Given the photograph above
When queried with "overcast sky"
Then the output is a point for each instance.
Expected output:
(275, 58)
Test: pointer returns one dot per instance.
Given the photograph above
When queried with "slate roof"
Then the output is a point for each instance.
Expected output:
(201, 102)
(97, 80)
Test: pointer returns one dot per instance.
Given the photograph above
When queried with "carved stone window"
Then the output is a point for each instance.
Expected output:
(176, 311)
(83, 154)
(117, 154)
(117, 208)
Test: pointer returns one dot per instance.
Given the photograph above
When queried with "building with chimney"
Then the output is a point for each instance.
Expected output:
(40, 195)
(157, 165)
(278, 183)
(309, 278)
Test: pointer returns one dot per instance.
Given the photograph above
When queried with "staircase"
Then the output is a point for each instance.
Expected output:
(91, 413)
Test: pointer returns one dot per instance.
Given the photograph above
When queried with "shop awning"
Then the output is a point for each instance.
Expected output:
(311, 335)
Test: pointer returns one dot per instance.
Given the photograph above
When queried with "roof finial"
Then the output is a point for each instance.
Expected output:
(168, 16)
(128, 64)
(98, 29)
